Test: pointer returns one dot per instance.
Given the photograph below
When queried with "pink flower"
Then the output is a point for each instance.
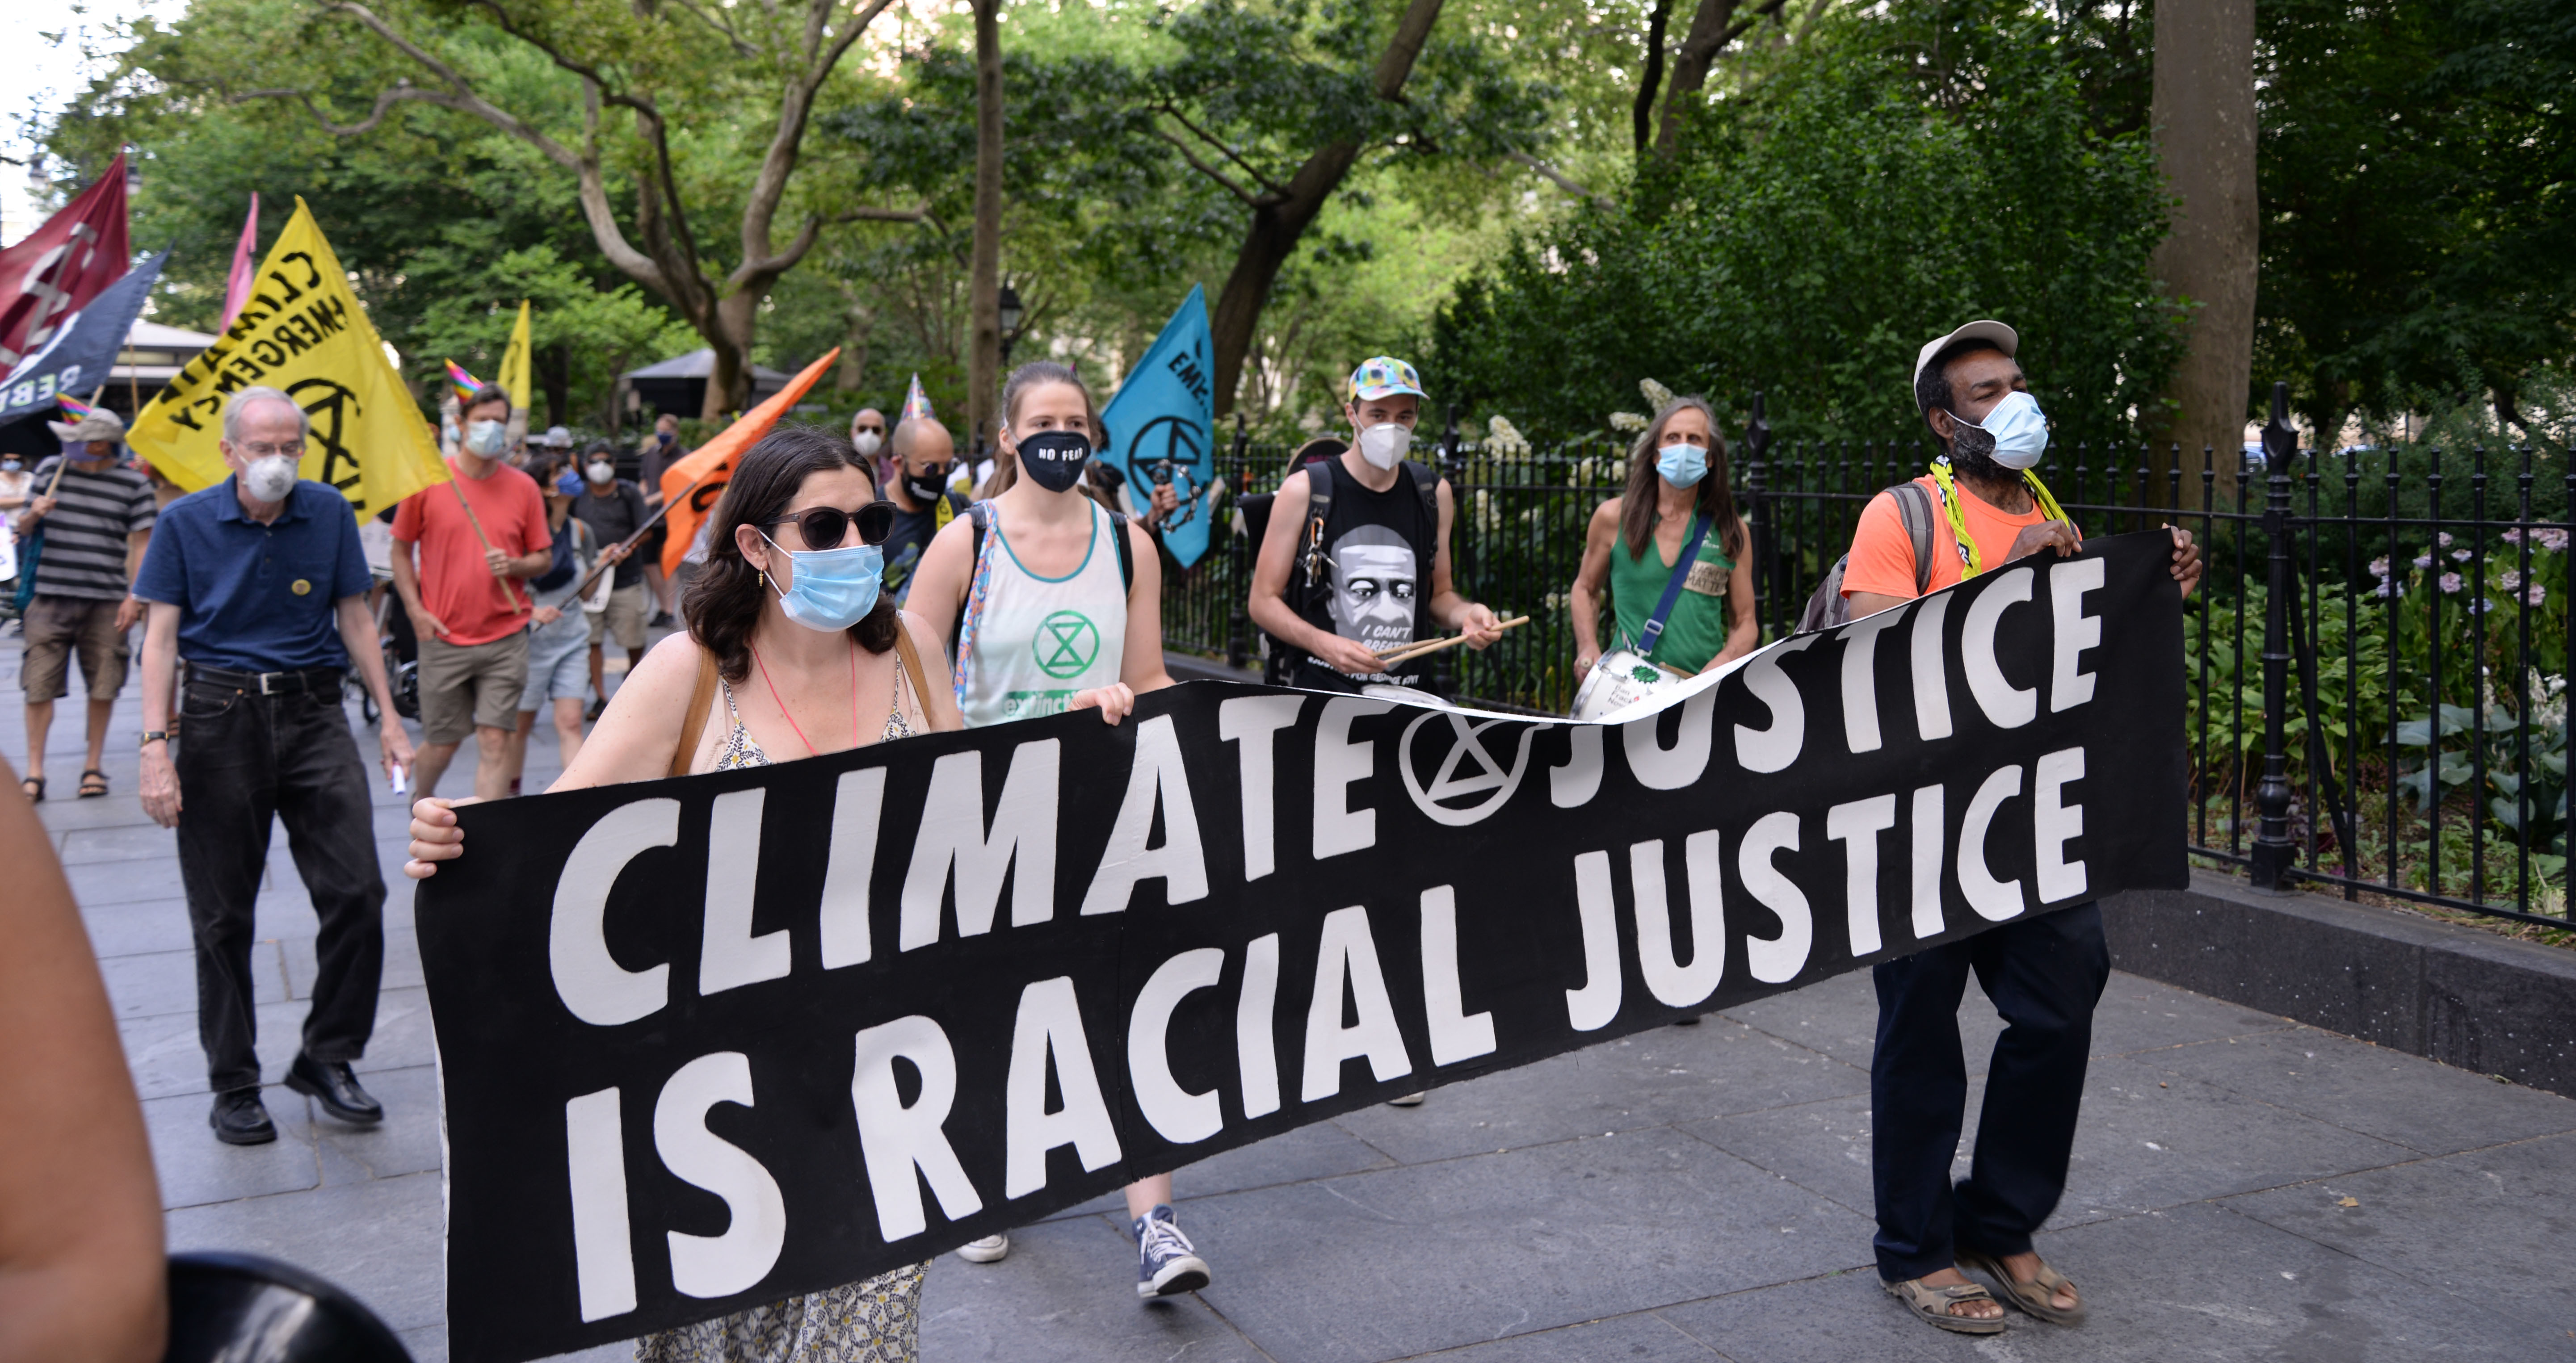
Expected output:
(2446, 539)
(2451, 582)
(2555, 541)
(2379, 566)
(2513, 536)
(2424, 561)
(2536, 595)
(2511, 581)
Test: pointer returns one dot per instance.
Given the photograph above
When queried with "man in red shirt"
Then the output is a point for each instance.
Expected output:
(2045, 973)
(476, 538)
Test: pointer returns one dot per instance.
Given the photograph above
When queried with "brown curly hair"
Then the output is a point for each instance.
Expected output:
(724, 601)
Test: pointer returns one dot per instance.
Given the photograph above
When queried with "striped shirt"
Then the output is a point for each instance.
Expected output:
(85, 537)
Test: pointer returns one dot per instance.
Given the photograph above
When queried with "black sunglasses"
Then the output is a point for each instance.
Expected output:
(824, 526)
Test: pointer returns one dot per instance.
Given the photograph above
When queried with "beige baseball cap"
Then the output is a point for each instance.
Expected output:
(2004, 337)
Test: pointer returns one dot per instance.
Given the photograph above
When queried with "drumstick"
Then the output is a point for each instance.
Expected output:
(1392, 650)
(1425, 649)
(629, 542)
(517, 607)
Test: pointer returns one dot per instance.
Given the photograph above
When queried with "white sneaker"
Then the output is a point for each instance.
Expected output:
(1408, 1100)
(988, 1250)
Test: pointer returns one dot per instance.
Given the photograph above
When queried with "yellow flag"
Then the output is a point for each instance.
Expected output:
(303, 331)
(514, 362)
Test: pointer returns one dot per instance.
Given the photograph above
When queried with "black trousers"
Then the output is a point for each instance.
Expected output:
(2044, 976)
(244, 759)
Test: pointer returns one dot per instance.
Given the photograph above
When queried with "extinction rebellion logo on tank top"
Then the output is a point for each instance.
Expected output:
(1043, 639)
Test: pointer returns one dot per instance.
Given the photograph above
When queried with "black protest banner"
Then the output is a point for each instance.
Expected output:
(928, 991)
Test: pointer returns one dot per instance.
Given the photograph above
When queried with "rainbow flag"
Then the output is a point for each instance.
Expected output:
(73, 408)
(466, 385)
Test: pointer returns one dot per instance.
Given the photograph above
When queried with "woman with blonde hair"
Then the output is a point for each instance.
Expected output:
(791, 651)
(1056, 604)
(1675, 525)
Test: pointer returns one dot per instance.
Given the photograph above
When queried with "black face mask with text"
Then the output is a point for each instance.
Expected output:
(928, 485)
(1054, 459)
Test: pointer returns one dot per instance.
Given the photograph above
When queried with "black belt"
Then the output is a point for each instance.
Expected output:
(267, 683)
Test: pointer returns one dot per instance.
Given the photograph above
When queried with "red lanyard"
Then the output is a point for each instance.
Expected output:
(791, 718)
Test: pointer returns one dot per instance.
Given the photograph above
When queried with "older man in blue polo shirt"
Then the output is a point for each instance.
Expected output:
(259, 584)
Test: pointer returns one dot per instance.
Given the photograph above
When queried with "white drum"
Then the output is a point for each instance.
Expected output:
(1405, 695)
(1618, 680)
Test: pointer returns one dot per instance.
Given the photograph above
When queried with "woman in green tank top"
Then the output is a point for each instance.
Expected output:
(1677, 482)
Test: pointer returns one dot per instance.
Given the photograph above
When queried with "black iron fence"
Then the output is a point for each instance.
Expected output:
(2376, 663)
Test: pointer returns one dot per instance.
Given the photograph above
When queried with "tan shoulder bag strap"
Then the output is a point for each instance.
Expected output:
(909, 659)
(702, 698)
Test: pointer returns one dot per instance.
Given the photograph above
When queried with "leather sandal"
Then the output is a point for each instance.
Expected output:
(93, 783)
(2036, 1298)
(1933, 1304)
(33, 788)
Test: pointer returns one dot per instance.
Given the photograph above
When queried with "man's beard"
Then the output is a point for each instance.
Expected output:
(1972, 455)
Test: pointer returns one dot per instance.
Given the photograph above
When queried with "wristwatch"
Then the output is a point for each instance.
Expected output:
(151, 737)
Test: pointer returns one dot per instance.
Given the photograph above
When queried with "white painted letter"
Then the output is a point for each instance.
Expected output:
(1050, 1024)
(1994, 900)
(1591, 1008)
(1673, 984)
(1250, 721)
(2009, 706)
(603, 1249)
(953, 829)
(1857, 826)
(718, 1265)
(1660, 768)
(898, 1139)
(1256, 1048)
(857, 802)
(1338, 762)
(1157, 776)
(2076, 631)
(1456, 1034)
(1773, 749)
(1180, 1115)
(2053, 822)
(1860, 678)
(592, 985)
(1347, 951)
(1931, 675)
(1775, 960)
(728, 955)
(1574, 784)
(1930, 838)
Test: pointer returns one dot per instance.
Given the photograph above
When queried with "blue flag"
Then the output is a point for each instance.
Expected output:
(83, 349)
(1162, 428)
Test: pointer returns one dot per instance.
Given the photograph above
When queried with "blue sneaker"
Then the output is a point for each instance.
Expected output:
(1166, 1265)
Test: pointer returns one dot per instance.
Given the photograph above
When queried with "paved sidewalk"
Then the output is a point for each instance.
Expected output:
(2243, 1188)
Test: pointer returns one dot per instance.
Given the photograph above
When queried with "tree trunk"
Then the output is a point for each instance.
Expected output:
(554, 375)
(1278, 223)
(858, 329)
(1691, 66)
(729, 384)
(984, 297)
(2203, 110)
(1644, 114)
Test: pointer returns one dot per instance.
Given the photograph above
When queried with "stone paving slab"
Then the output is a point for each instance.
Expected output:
(1727, 1217)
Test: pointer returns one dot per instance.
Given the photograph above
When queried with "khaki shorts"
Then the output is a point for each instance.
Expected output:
(57, 626)
(463, 686)
(623, 618)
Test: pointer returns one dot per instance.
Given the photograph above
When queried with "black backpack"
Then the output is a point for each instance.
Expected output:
(1827, 608)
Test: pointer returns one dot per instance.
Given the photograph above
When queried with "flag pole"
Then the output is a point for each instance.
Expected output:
(630, 541)
(517, 607)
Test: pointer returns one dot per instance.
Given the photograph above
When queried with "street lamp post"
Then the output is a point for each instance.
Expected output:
(1012, 313)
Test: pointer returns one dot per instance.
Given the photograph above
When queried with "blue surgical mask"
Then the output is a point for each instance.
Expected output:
(486, 439)
(830, 589)
(2015, 430)
(1682, 465)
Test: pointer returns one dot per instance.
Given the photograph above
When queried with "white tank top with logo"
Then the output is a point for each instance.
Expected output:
(1035, 640)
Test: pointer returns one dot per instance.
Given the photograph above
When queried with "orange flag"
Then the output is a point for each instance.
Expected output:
(712, 462)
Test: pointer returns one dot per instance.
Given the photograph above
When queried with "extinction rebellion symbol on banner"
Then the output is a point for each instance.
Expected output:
(710, 1043)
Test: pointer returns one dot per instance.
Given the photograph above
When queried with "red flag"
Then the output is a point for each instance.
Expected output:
(62, 265)
(711, 464)
(245, 265)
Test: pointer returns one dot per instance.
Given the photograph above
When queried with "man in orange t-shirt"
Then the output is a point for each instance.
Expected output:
(467, 597)
(2043, 974)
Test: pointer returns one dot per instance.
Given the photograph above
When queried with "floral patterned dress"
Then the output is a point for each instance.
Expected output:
(874, 1321)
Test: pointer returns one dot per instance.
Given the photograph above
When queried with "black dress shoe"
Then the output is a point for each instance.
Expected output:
(240, 1119)
(331, 1084)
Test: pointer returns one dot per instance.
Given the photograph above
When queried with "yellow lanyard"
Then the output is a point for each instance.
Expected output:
(1942, 479)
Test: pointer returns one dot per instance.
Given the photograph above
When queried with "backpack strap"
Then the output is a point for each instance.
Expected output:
(1319, 504)
(1914, 508)
(907, 660)
(1126, 553)
(702, 698)
(1426, 483)
(1654, 629)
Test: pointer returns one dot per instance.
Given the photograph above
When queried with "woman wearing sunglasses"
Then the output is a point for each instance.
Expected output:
(790, 652)
(1048, 620)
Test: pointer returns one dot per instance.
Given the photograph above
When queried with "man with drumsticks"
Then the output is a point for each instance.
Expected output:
(2043, 974)
(1364, 539)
